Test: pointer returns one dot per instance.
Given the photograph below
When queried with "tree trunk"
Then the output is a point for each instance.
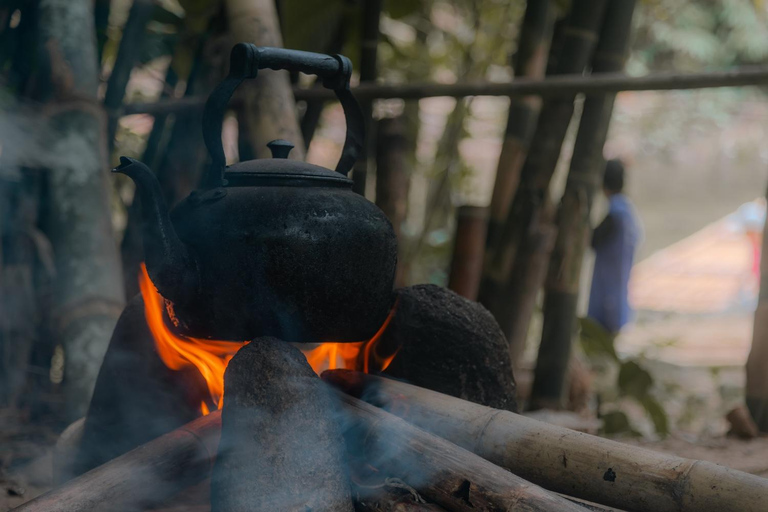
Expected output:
(523, 226)
(467, 262)
(393, 176)
(530, 61)
(584, 179)
(369, 42)
(89, 290)
(269, 103)
(526, 279)
(757, 362)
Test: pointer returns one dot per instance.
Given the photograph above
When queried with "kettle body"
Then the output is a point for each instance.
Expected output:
(271, 247)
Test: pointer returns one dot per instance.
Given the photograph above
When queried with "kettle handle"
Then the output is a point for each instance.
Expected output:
(244, 62)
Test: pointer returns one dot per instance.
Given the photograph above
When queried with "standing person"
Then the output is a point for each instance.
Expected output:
(614, 242)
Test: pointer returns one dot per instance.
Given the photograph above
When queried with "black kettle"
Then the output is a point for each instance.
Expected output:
(271, 247)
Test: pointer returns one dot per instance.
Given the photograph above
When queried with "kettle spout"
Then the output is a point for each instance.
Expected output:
(170, 264)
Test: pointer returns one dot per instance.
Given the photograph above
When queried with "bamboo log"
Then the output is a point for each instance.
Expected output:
(525, 281)
(369, 43)
(563, 460)
(468, 244)
(88, 295)
(530, 60)
(573, 220)
(269, 104)
(452, 477)
(393, 177)
(556, 86)
(524, 214)
(142, 477)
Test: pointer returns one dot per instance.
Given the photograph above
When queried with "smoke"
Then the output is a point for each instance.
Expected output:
(25, 134)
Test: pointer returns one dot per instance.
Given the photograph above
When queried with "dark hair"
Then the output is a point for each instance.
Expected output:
(613, 181)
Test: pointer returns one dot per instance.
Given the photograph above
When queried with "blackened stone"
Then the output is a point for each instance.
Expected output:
(137, 398)
(281, 446)
(451, 345)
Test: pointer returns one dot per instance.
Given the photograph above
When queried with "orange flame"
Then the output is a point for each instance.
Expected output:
(211, 357)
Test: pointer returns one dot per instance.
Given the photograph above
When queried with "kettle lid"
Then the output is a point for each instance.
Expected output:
(279, 171)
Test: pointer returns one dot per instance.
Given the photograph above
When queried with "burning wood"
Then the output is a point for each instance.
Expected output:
(280, 444)
(142, 477)
(562, 460)
(451, 476)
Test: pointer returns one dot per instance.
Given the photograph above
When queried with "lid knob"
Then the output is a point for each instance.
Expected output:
(280, 148)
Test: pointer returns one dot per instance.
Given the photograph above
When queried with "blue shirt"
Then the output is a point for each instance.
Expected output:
(614, 241)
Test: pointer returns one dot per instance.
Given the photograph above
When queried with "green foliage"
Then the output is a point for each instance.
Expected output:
(595, 341)
(633, 382)
(687, 35)
(617, 422)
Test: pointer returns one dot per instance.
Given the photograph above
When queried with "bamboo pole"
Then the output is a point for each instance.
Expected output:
(573, 219)
(393, 178)
(519, 294)
(530, 60)
(524, 216)
(269, 105)
(451, 476)
(369, 43)
(468, 243)
(143, 477)
(551, 87)
(563, 460)
(88, 293)
(446, 474)
(525, 281)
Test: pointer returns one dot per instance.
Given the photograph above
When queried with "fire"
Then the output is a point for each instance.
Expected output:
(211, 357)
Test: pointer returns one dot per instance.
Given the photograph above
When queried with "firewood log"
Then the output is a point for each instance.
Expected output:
(142, 477)
(281, 447)
(451, 476)
(565, 461)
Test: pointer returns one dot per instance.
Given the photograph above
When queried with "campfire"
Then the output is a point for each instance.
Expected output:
(398, 400)
(210, 357)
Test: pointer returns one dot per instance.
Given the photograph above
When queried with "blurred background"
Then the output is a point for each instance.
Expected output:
(84, 82)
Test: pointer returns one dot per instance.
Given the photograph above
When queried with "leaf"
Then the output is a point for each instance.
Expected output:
(616, 422)
(634, 380)
(595, 340)
(657, 413)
